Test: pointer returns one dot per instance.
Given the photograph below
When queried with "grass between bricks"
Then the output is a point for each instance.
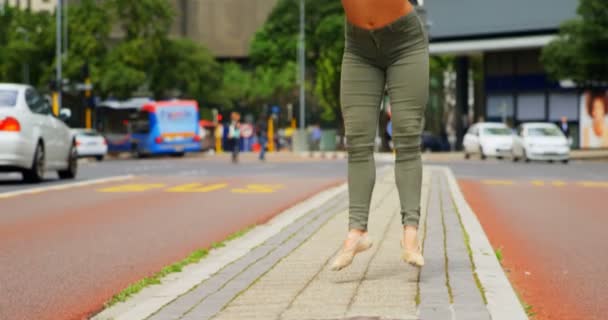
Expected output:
(499, 255)
(467, 242)
(445, 252)
(194, 257)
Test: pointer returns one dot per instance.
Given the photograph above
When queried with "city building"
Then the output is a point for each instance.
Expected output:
(226, 27)
(508, 36)
(32, 4)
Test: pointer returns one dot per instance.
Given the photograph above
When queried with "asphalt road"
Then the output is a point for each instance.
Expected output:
(64, 253)
(550, 222)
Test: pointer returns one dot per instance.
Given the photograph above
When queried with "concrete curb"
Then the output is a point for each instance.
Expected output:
(503, 303)
(153, 298)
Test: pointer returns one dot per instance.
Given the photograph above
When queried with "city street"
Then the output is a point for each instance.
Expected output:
(549, 221)
(64, 253)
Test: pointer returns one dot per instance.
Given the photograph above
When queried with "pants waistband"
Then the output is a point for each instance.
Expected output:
(391, 27)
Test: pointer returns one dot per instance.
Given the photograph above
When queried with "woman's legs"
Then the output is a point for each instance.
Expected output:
(362, 88)
(408, 82)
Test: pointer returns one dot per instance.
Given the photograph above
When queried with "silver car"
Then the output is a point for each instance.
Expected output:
(32, 139)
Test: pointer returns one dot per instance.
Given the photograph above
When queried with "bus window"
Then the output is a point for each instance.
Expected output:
(140, 122)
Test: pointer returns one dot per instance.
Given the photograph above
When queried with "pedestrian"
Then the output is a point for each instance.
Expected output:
(234, 135)
(386, 46)
(315, 137)
(262, 132)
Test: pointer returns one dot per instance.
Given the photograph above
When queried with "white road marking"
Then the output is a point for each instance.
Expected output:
(12, 194)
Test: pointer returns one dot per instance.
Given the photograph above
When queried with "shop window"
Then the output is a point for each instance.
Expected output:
(500, 106)
(563, 105)
(531, 106)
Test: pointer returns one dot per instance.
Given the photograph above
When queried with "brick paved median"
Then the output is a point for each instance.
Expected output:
(288, 277)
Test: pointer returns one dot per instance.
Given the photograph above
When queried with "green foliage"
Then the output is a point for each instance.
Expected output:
(579, 53)
(274, 49)
(143, 19)
(89, 31)
(327, 88)
(141, 59)
(26, 39)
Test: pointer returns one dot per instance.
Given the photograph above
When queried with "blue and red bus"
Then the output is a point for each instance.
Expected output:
(145, 127)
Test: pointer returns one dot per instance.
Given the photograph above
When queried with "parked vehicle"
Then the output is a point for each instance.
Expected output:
(32, 139)
(145, 127)
(90, 144)
(488, 139)
(541, 141)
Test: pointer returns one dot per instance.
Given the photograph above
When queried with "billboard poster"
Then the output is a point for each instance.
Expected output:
(594, 120)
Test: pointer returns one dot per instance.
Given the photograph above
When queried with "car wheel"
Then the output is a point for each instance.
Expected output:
(135, 152)
(467, 156)
(99, 158)
(36, 172)
(566, 161)
(72, 169)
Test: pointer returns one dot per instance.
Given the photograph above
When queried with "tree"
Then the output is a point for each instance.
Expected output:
(27, 40)
(327, 87)
(89, 32)
(275, 46)
(186, 69)
(580, 51)
(147, 19)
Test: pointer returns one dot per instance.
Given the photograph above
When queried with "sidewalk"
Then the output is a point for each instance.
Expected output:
(281, 270)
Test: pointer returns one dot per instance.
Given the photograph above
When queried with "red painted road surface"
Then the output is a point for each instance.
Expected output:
(63, 254)
(554, 242)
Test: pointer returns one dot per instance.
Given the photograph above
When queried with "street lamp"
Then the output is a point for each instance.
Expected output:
(58, 53)
(302, 64)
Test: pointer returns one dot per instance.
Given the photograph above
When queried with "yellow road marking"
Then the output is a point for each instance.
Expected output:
(197, 187)
(558, 183)
(498, 182)
(538, 183)
(258, 188)
(133, 187)
(594, 184)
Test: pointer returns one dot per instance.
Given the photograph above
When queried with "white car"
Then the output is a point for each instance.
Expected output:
(89, 143)
(32, 139)
(541, 141)
(488, 139)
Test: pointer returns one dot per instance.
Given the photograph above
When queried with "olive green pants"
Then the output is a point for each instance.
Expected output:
(394, 58)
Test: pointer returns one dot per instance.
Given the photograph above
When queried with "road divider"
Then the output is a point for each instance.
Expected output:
(63, 186)
(193, 188)
(544, 183)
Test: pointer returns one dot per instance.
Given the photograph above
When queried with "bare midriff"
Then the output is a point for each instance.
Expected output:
(374, 14)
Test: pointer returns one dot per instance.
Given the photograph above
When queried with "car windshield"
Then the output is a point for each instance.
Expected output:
(8, 98)
(497, 131)
(544, 132)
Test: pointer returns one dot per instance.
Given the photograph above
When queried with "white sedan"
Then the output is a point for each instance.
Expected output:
(488, 139)
(541, 141)
(32, 139)
(89, 143)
